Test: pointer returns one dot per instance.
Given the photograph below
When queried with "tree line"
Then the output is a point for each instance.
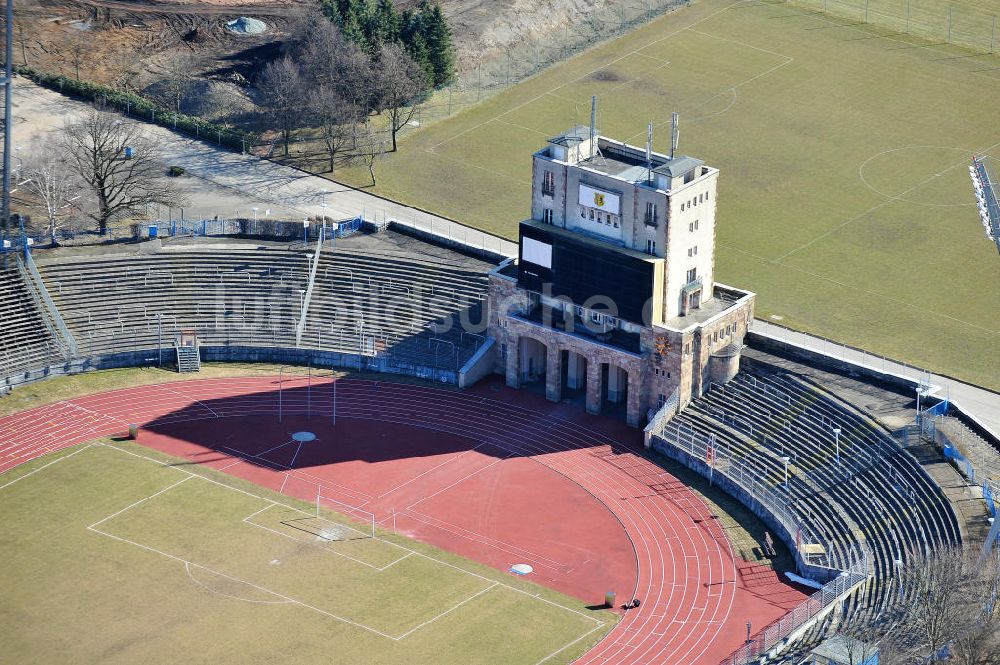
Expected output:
(327, 82)
(423, 33)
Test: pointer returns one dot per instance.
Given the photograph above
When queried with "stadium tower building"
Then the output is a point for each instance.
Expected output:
(613, 297)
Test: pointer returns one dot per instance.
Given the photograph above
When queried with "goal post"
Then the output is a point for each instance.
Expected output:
(361, 521)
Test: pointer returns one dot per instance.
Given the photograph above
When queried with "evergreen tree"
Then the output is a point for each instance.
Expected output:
(440, 53)
(386, 22)
(350, 17)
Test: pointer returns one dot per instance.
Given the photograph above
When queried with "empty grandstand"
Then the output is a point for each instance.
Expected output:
(838, 485)
(381, 301)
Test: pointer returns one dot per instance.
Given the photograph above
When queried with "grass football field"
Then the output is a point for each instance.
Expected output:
(845, 201)
(116, 554)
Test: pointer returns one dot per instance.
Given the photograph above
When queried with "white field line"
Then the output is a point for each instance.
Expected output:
(388, 542)
(584, 75)
(449, 610)
(877, 206)
(187, 568)
(312, 479)
(567, 645)
(142, 500)
(325, 548)
(55, 461)
(236, 579)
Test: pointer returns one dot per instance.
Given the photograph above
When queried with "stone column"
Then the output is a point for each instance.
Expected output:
(633, 413)
(514, 362)
(593, 386)
(553, 373)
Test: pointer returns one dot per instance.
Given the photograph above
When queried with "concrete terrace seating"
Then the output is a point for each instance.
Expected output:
(367, 303)
(25, 341)
(877, 494)
(371, 304)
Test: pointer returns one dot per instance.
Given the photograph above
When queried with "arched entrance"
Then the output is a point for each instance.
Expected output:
(533, 356)
(614, 390)
(573, 369)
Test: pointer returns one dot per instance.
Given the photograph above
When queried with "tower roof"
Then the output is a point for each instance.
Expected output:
(571, 137)
(678, 166)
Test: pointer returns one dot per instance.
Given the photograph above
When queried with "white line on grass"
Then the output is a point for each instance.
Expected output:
(55, 461)
(324, 547)
(566, 646)
(249, 584)
(875, 207)
(602, 66)
(136, 503)
(389, 542)
(187, 568)
(449, 610)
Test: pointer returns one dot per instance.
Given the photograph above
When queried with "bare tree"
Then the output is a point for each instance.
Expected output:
(283, 97)
(122, 66)
(50, 178)
(326, 58)
(178, 76)
(336, 120)
(76, 51)
(95, 147)
(947, 598)
(368, 150)
(399, 84)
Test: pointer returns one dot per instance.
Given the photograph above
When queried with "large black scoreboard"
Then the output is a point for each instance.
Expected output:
(560, 263)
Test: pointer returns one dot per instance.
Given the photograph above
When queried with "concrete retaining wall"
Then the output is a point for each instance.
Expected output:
(248, 354)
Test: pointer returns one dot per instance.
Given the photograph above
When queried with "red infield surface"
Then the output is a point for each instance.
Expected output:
(496, 475)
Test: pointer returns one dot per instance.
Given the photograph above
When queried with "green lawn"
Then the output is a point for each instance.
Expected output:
(110, 557)
(844, 198)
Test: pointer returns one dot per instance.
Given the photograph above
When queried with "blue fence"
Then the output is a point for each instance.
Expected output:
(952, 453)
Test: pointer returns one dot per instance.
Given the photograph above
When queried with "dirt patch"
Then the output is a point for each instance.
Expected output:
(607, 76)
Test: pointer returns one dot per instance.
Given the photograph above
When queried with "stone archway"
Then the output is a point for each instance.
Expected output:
(533, 361)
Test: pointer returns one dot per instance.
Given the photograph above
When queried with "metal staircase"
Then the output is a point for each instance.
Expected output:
(188, 358)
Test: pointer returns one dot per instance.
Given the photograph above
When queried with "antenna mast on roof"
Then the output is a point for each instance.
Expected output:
(595, 150)
(649, 152)
(675, 133)
(593, 125)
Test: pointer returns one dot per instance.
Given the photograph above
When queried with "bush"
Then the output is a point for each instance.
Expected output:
(175, 171)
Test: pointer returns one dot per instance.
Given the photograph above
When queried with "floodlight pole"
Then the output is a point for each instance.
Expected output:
(899, 576)
(159, 339)
(8, 82)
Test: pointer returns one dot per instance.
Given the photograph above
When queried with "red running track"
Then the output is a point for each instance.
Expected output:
(497, 475)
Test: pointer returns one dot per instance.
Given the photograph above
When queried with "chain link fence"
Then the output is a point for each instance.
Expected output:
(930, 19)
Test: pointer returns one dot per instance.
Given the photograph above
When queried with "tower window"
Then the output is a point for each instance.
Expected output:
(651, 216)
(548, 184)
(547, 215)
(692, 275)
